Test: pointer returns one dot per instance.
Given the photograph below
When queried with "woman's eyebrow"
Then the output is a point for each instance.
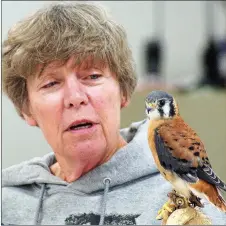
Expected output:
(46, 70)
(94, 67)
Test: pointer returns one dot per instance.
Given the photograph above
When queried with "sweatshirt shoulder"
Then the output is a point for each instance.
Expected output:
(20, 173)
(12, 172)
(133, 129)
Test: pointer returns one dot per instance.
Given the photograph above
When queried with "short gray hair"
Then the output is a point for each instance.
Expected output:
(58, 31)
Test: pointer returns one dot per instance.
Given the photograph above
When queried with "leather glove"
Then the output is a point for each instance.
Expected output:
(187, 216)
(183, 213)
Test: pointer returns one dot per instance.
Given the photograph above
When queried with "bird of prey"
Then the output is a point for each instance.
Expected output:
(179, 153)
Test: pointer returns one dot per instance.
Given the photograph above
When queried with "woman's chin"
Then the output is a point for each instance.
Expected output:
(88, 150)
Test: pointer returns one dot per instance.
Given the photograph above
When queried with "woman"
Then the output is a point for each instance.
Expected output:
(76, 99)
(69, 71)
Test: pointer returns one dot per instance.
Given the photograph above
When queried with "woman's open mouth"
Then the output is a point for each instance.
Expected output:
(85, 125)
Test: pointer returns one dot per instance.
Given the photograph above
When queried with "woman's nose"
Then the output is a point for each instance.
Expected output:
(74, 95)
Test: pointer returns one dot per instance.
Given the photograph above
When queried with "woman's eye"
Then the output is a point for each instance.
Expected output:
(50, 84)
(95, 76)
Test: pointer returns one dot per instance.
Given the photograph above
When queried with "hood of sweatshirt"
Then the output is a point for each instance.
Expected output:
(129, 163)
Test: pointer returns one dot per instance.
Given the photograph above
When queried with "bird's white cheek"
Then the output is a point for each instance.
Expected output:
(154, 115)
(166, 109)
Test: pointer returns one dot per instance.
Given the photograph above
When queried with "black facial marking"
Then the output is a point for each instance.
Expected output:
(196, 153)
(172, 109)
(191, 148)
(161, 112)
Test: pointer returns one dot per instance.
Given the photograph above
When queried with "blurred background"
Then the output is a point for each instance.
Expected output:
(177, 46)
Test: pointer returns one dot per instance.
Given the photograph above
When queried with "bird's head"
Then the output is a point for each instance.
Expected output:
(160, 105)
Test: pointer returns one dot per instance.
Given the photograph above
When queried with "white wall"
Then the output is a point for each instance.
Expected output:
(184, 37)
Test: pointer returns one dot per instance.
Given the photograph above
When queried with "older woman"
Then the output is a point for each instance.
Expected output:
(69, 71)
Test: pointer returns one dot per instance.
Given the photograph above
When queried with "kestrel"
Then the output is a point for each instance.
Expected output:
(179, 153)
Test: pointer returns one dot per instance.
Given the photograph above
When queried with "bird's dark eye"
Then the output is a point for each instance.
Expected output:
(161, 103)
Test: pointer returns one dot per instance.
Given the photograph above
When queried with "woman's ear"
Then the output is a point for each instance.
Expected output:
(124, 101)
(30, 119)
(27, 114)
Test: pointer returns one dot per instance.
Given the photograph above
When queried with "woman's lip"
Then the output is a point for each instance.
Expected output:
(86, 130)
(83, 121)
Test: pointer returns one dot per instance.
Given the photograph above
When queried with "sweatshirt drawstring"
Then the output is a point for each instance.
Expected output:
(40, 201)
(106, 182)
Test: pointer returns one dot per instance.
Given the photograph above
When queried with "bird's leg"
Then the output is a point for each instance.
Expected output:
(182, 202)
(195, 201)
(178, 200)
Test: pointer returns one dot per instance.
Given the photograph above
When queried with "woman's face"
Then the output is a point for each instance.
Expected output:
(77, 109)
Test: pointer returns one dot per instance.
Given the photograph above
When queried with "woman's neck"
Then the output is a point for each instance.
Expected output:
(71, 172)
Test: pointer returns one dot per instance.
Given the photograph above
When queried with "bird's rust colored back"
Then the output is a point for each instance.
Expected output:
(178, 136)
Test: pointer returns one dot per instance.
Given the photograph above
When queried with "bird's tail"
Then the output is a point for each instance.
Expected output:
(211, 193)
(215, 197)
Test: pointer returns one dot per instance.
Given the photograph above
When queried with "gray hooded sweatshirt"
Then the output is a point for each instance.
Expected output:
(127, 189)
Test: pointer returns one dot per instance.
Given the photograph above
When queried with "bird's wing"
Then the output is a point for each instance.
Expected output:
(180, 150)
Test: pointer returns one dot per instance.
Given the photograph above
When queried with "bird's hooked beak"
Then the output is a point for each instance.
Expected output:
(150, 107)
